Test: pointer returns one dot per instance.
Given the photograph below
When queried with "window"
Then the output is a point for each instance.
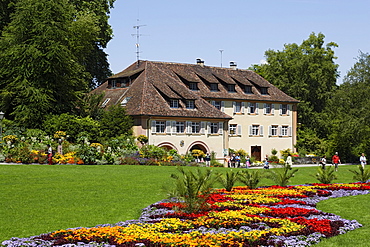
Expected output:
(195, 127)
(284, 109)
(114, 83)
(269, 109)
(125, 100)
(273, 130)
(174, 103)
(264, 91)
(213, 128)
(256, 130)
(193, 86)
(238, 107)
(217, 104)
(190, 104)
(231, 88)
(284, 130)
(253, 108)
(214, 87)
(248, 89)
(180, 127)
(233, 129)
(160, 126)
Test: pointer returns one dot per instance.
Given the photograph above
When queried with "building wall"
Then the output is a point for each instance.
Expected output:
(220, 142)
(244, 139)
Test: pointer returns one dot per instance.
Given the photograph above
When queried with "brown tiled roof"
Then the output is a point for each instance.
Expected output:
(155, 83)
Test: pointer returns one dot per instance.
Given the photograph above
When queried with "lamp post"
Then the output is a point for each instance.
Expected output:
(1, 123)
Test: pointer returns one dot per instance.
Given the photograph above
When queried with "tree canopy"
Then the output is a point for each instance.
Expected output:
(50, 53)
(306, 72)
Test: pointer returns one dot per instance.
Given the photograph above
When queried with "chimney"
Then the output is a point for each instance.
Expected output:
(233, 65)
(200, 62)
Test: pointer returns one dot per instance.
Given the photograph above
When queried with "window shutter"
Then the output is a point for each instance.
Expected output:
(288, 110)
(250, 130)
(270, 130)
(239, 127)
(188, 127)
(202, 128)
(280, 131)
(249, 108)
(272, 109)
(208, 128)
(234, 107)
(256, 111)
(261, 130)
(243, 107)
(289, 131)
(173, 127)
(281, 109)
(153, 126)
(220, 128)
(264, 108)
(168, 127)
(222, 106)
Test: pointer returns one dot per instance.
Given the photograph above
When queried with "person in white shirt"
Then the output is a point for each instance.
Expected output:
(363, 160)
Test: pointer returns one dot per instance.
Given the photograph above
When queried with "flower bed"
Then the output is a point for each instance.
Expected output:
(269, 216)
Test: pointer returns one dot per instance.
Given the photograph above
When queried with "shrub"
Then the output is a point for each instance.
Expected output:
(362, 174)
(282, 176)
(193, 188)
(128, 161)
(250, 178)
(325, 176)
(228, 179)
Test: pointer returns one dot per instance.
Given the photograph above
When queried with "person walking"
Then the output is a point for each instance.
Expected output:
(363, 160)
(237, 161)
(323, 162)
(247, 161)
(208, 160)
(336, 161)
(289, 161)
(232, 161)
(266, 165)
(50, 154)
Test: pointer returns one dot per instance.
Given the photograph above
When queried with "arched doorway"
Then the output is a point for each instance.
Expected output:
(200, 146)
(167, 145)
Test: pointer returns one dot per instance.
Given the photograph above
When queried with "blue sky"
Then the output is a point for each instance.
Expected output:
(182, 31)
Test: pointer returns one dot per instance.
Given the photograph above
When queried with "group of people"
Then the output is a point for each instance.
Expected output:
(336, 161)
(233, 161)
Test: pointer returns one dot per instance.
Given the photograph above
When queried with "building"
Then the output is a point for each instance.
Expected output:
(194, 106)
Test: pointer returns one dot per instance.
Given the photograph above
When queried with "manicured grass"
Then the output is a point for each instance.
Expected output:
(37, 199)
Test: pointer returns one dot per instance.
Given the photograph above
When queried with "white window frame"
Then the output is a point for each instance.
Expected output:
(190, 104)
(159, 126)
(254, 106)
(174, 103)
(180, 127)
(213, 128)
(233, 128)
(195, 127)
(273, 130)
(105, 102)
(284, 111)
(268, 109)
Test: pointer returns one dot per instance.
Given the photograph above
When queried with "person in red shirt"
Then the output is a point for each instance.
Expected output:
(335, 160)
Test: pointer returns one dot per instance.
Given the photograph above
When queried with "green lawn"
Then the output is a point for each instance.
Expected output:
(37, 199)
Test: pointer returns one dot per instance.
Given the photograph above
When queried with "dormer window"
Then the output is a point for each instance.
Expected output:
(174, 103)
(193, 86)
(214, 87)
(264, 91)
(114, 83)
(248, 89)
(190, 104)
(231, 88)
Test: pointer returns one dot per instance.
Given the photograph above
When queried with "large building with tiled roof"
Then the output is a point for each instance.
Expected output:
(194, 106)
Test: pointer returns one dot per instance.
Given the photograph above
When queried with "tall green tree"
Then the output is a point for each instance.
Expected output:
(92, 56)
(39, 71)
(306, 72)
(347, 114)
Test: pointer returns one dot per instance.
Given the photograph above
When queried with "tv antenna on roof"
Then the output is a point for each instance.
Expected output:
(221, 56)
(137, 35)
